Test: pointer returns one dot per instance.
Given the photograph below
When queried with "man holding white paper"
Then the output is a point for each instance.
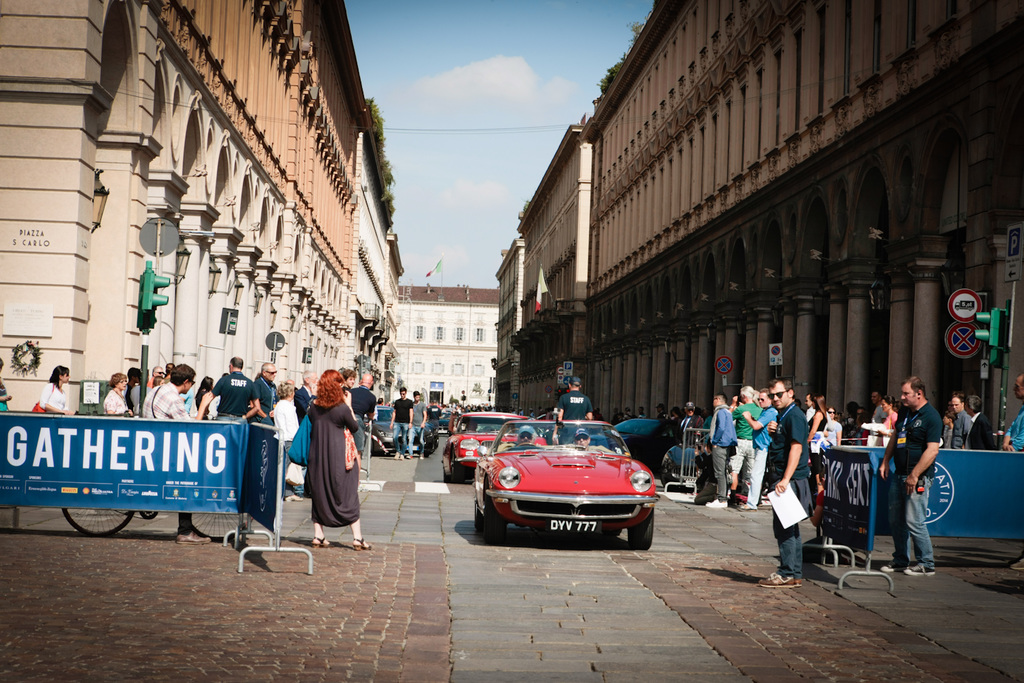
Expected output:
(787, 469)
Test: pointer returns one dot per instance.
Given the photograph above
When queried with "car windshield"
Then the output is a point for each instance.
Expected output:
(538, 436)
(481, 425)
(638, 427)
(384, 413)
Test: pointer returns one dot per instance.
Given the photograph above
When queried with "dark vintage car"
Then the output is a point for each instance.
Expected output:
(469, 433)
(444, 420)
(571, 477)
(649, 439)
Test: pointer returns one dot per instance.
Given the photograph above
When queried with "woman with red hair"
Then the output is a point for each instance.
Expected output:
(333, 474)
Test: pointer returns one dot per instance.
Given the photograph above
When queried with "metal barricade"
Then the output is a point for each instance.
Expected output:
(681, 461)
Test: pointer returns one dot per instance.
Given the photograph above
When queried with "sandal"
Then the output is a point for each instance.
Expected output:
(321, 543)
(360, 544)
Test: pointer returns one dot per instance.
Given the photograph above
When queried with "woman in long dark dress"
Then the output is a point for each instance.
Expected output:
(333, 474)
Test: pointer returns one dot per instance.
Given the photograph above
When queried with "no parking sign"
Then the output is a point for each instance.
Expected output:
(961, 340)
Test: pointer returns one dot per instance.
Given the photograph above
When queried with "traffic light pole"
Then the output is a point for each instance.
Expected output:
(145, 374)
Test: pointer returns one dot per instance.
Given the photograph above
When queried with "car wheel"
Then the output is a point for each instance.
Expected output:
(478, 517)
(642, 535)
(445, 475)
(495, 526)
(458, 473)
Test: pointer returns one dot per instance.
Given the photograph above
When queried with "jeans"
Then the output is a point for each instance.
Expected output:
(416, 437)
(791, 549)
(907, 516)
(757, 476)
(401, 435)
(720, 462)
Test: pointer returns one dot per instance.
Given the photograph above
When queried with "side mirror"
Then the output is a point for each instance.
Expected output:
(482, 451)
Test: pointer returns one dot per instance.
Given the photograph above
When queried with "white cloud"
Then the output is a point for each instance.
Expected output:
(498, 80)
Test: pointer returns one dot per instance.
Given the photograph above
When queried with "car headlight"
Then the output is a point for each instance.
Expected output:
(509, 477)
(469, 444)
(640, 480)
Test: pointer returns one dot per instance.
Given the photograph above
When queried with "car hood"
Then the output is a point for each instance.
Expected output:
(566, 472)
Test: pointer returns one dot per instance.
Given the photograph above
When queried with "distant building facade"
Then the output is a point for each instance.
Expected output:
(555, 229)
(510, 316)
(447, 342)
(820, 175)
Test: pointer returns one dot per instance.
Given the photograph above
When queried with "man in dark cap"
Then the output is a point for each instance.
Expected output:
(574, 405)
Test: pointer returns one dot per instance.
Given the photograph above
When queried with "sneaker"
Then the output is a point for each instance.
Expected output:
(890, 569)
(777, 581)
(716, 504)
(1019, 564)
(294, 498)
(919, 570)
(749, 508)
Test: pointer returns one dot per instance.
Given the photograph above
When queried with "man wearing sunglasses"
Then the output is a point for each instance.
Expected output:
(788, 467)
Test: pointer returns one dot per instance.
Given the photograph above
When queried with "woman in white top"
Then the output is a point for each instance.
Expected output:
(114, 403)
(833, 430)
(287, 420)
(54, 399)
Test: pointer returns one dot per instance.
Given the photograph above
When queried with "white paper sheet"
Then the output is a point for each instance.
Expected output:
(787, 507)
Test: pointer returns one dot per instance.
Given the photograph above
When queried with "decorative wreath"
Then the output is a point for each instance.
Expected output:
(26, 357)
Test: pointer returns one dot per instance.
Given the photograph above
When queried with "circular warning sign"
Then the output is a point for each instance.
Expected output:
(961, 340)
(723, 364)
(963, 304)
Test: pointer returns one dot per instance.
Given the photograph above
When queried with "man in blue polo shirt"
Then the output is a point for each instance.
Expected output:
(788, 467)
(237, 394)
(912, 450)
(266, 394)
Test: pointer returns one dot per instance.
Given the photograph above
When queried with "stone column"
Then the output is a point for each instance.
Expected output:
(858, 317)
(642, 383)
(705, 388)
(836, 389)
(683, 370)
(765, 330)
(618, 372)
(928, 330)
(789, 340)
(749, 375)
(901, 322)
(730, 382)
(190, 303)
(806, 349)
(661, 372)
(628, 377)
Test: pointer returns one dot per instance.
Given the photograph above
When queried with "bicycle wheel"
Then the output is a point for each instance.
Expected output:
(97, 522)
(215, 524)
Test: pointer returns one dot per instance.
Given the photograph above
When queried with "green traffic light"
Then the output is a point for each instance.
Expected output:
(149, 283)
(994, 320)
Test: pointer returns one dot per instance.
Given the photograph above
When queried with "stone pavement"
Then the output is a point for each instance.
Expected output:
(431, 602)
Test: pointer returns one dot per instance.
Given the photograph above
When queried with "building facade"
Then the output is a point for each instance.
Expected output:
(555, 229)
(447, 343)
(815, 175)
(239, 124)
(510, 317)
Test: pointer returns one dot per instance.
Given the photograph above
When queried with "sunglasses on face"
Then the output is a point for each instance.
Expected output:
(776, 394)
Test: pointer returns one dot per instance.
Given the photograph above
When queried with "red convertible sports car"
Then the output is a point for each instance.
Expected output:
(573, 477)
(472, 431)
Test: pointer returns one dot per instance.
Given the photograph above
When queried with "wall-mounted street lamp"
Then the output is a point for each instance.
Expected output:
(100, 195)
(215, 273)
(258, 294)
(181, 258)
(238, 291)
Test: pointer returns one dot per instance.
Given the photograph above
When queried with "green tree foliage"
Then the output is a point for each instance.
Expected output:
(636, 28)
(387, 177)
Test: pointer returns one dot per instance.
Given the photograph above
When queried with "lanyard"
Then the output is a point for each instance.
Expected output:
(909, 418)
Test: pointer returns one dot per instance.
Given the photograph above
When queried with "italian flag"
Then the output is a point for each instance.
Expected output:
(437, 268)
(542, 288)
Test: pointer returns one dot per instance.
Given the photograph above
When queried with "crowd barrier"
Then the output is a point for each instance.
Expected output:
(963, 501)
(682, 459)
(52, 460)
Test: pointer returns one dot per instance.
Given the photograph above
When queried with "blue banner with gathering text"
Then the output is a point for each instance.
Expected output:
(123, 464)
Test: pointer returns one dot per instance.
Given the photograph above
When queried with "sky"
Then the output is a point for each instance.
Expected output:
(476, 96)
